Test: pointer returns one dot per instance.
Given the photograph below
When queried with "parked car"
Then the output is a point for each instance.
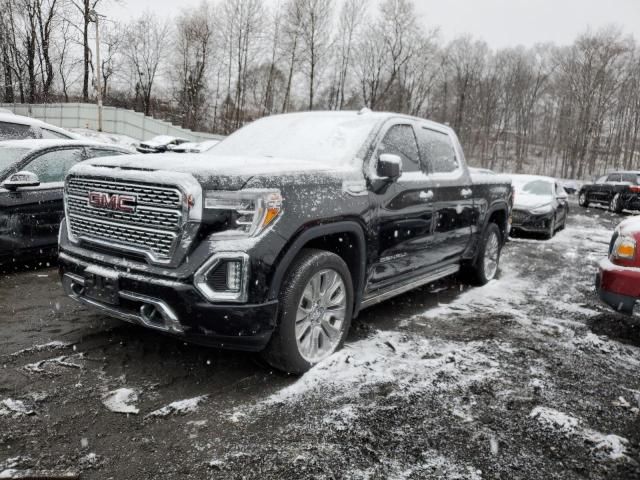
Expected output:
(619, 190)
(16, 127)
(302, 221)
(31, 177)
(160, 144)
(195, 147)
(570, 186)
(618, 278)
(541, 205)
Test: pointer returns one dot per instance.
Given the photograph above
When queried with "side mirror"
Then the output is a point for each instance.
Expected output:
(21, 180)
(389, 166)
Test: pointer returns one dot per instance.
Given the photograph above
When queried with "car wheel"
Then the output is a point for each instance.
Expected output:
(316, 305)
(487, 263)
(615, 205)
(552, 228)
(583, 200)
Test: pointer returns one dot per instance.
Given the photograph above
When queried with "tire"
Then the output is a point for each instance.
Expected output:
(583, 200)
(301, 341)
(552, 228)
(615, 205)
(479, 273)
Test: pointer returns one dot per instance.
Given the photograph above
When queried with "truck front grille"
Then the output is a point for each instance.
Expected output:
(152, 225)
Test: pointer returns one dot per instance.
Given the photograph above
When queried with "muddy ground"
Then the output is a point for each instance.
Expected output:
(528, 378)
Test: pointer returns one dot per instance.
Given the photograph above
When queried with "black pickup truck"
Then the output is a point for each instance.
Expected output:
(283, 233)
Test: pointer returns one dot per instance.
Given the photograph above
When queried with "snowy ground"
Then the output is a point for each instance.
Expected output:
(526, 378)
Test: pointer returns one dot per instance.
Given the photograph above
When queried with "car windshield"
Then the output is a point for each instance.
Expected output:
(534, 187)
(331, 139)
(11, 155)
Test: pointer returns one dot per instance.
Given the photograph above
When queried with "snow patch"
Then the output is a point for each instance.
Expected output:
(607, 446)
(181, 407)
(14, 408)
(122, 400)
(54, 345)
(411, 363)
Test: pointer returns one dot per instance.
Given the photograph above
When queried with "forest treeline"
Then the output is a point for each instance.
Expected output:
(564, 110)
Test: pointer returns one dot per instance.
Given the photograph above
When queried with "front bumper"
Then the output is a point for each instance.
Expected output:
(527, 222)
(617, 286)
(172, 307)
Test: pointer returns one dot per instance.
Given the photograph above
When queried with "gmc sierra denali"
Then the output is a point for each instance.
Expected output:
(282, 233)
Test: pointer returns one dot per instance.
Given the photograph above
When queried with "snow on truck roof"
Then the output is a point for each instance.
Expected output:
(33, 122)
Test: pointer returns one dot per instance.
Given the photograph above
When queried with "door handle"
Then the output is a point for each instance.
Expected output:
(426, 196)
(466, 192)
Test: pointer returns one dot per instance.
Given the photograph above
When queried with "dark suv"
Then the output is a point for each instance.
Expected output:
(283, 233)
(619, 190)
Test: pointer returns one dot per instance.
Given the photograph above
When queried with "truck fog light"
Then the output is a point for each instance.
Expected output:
(234, 275)
(224, 278)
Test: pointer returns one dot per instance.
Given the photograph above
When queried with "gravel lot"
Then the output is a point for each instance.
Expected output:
(526, 378)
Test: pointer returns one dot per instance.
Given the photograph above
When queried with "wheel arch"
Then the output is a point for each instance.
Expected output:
(341, 238)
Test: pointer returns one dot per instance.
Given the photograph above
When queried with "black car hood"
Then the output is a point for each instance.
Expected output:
(221, 172)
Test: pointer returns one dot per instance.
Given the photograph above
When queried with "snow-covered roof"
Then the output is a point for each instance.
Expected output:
(37, 144)
(530, 178)
(33, 122)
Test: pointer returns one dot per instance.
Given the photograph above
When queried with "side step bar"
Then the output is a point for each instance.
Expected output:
(394, 292)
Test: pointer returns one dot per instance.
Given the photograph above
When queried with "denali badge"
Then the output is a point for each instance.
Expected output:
(117, 202)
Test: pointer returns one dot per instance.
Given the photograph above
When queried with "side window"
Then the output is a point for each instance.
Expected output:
(98, 152)
(437, 151)
(15, 131)
(50, 134)
(629, 178)
(614, 177)
(400, 140)
(53, 166)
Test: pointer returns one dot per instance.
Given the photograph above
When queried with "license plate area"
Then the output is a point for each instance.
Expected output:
(102, 286)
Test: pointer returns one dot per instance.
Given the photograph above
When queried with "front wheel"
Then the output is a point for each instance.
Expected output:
(486, 265)
(316, 305)
(583, 201)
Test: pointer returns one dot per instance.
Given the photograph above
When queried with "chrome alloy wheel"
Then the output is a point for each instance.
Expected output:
(320, 316)
(491, 256)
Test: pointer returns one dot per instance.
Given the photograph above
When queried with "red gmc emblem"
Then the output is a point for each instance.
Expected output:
(116, 202)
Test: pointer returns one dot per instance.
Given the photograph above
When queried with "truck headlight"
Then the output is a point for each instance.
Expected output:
(542, 210)
(624, 248)
(252, 210)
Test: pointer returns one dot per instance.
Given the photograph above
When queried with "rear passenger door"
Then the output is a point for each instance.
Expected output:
(454, 209)
(404, 220)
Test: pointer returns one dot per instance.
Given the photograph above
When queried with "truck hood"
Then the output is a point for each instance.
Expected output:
(218, 172)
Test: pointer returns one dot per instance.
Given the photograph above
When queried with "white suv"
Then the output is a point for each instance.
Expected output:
(15, 127)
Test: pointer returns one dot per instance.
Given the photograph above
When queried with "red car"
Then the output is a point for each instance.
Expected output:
(618, 281)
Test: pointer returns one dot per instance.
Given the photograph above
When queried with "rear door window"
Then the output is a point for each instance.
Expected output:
(52, 167)
(437, 151)
(629, 178)
(614, 178)
(16, 131)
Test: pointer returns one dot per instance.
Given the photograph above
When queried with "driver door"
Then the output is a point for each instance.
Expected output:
(32, 215)
(404, 212)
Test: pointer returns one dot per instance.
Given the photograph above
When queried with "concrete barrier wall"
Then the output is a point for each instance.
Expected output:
(114, 120)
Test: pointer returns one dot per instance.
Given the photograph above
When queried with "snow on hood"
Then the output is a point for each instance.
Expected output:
(205, 167)
(528, 201)
(630, 225)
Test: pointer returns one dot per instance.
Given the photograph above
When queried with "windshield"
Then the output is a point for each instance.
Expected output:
(534, 187)
(10, 156)
(331, 139)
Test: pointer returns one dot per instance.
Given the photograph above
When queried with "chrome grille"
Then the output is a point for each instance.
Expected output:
(153, 228)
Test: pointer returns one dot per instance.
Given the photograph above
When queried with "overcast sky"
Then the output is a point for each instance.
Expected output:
(499, 22)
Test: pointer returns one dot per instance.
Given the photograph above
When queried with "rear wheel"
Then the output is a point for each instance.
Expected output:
(615, 205)
(316, 304)
(583, 200)
(486, 265)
